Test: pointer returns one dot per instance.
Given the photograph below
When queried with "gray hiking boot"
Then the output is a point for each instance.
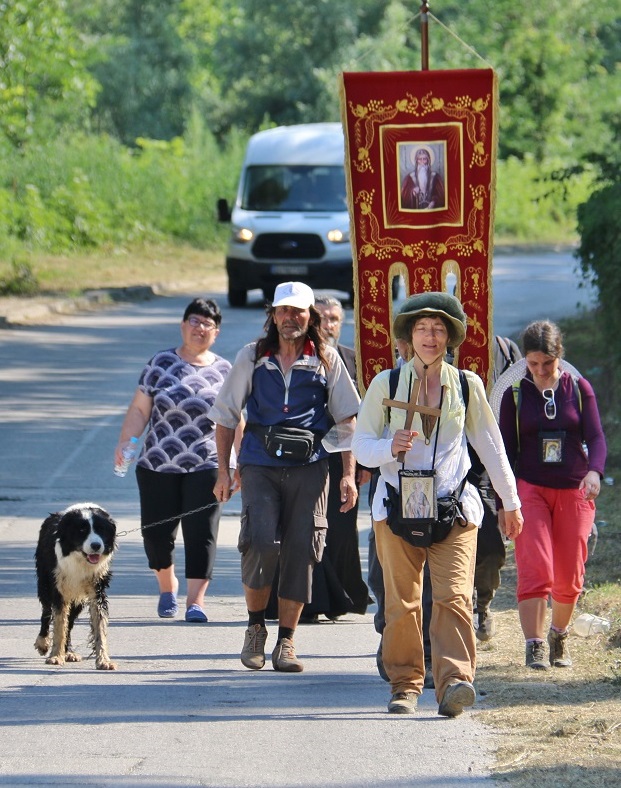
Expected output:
(253, 652)
(284, 657)
(456, 696)
(559, 653)
(536, 655)
(403, 703)
(487, 626)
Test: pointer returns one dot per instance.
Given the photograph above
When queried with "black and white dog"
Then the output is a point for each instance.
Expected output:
(73, 558)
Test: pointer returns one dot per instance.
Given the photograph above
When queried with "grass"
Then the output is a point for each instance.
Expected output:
(167, 266)
(552, 729)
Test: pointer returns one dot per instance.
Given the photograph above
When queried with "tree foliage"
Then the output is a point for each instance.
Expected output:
(44, 83)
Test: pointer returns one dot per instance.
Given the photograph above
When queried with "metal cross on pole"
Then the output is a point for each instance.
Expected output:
(411, 408)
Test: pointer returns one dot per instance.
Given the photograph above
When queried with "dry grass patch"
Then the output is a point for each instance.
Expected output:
(166, 267)
(560, 727)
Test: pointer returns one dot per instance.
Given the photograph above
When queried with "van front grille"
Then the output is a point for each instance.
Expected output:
(288, 246)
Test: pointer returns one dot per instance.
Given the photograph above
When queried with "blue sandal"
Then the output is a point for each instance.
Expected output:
(167, 606)
(195, 615)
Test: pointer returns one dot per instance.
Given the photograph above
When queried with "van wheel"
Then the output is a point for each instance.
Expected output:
(237, 297)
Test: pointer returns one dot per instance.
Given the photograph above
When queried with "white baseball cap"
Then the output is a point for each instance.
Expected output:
(293, 294)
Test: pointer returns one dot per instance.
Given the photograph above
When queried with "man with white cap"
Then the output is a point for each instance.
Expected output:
(291, 383)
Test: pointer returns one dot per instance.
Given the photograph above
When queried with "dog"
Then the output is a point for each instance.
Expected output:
(73, 557)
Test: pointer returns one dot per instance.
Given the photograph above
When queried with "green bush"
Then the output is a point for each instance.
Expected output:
(91, 191)
(532, 205)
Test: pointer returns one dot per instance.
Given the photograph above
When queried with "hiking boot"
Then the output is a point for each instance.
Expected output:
(253, 652)
(428, 683)
(380, 663)
(535, 655)
(487, 626)
(284, 658)
(559, 653)
(456, 696)
(403, 703)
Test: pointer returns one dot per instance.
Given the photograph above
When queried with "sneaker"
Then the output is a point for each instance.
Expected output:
(403, 703)
(284, 658)
(559, 653)
(487, 626)
(380, 663)
(253, 652)
(456, 696)
(428, 683)
(535, 655)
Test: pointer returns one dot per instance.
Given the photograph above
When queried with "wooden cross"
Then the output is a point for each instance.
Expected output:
(411, 408)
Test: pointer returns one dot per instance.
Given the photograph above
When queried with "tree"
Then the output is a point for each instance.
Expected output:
(45, 87)
(144, 67)
(268, 56)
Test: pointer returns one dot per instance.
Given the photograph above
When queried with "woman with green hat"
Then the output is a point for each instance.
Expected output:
(435, 448)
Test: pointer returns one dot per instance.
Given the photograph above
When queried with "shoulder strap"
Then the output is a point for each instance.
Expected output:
(517, 399)
(465, 388)
(393, 382)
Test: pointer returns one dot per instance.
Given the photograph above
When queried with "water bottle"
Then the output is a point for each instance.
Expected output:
(588, 624)
(129, 453)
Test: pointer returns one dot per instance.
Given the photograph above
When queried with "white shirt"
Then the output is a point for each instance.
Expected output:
(372, 442)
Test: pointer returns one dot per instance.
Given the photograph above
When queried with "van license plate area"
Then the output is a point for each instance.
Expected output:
(287, 270)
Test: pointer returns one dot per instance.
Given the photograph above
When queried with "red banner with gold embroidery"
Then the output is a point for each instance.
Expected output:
(420, 164)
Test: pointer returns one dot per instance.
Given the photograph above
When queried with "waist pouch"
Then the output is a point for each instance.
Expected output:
(286, 443)
(424, 532)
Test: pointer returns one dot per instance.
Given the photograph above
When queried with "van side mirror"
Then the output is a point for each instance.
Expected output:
(224, 212)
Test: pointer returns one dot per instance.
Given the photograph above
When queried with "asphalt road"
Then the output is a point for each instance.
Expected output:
(181, 709)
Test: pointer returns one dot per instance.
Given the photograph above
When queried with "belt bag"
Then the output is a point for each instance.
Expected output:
(286, 443)
(421, 532)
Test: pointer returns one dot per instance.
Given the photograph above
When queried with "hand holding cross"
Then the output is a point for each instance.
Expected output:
(411, 408)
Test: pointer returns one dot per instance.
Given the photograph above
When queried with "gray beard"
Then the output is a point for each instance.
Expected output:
(422, 175)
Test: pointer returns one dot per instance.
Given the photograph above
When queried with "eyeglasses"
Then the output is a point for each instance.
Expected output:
(550, 407)
(196, 322)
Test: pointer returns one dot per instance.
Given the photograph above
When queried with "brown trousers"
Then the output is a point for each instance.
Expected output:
(453, 644)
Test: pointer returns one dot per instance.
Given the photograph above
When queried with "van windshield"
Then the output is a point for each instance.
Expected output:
(277, 187)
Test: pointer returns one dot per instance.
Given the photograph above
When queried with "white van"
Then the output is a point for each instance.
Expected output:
(290, 219)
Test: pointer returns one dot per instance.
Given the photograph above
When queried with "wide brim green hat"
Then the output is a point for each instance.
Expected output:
(430, 305)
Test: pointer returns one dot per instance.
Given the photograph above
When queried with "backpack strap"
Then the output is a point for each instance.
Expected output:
(393, 382)
(465, 388)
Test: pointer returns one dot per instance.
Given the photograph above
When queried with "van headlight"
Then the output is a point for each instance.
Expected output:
(338, 236)
(241, 235)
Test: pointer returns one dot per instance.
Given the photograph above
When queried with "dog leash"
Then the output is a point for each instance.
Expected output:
(167, 520)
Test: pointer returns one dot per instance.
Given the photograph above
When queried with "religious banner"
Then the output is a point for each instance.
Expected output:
(420, 151)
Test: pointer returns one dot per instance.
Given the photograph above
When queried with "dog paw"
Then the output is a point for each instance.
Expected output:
(106, 666)
(54, 661)
(71, 656)
(42, 645)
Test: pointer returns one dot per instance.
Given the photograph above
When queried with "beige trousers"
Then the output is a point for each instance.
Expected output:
(453, 644)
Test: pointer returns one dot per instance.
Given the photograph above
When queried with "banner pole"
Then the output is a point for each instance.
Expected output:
(424, 35)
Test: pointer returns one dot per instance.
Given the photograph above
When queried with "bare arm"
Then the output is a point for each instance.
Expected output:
(225, 437)
(349, 491)
(136, 419)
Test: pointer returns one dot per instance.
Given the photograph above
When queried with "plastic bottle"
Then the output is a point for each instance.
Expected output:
(129, 453)
(588, 624)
